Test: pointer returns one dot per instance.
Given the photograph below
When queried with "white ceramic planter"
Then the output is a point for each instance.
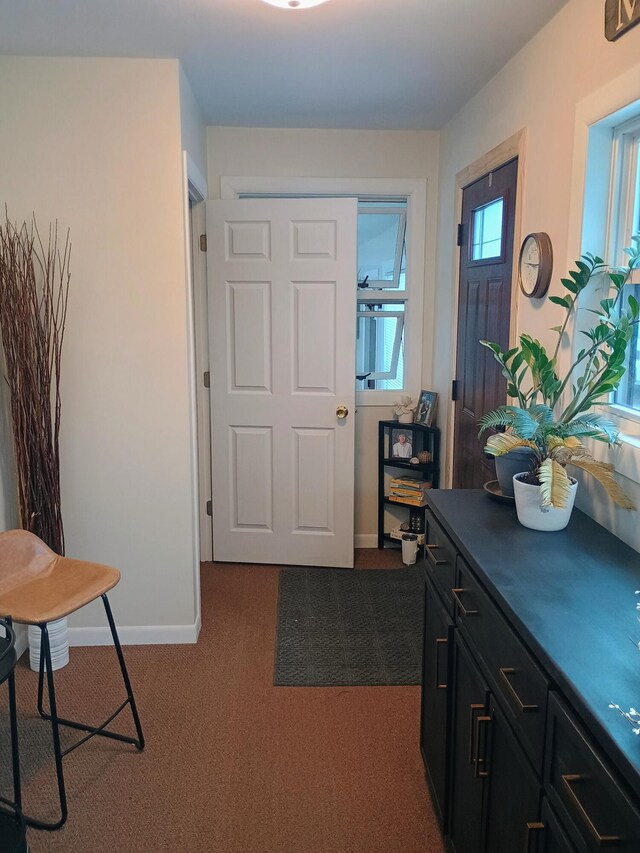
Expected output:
(532, 515)
(58, 641)
(405, 418)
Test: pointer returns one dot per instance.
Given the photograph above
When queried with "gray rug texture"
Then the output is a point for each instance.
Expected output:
(342, 627)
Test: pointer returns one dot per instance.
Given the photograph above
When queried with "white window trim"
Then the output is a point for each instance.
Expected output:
(415, 191)
(596, 118)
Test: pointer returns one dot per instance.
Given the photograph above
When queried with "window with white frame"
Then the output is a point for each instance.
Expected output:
(382, 295)
(624, 223)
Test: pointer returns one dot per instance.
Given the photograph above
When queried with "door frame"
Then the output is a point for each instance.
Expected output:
(512, 147)
(194, 188)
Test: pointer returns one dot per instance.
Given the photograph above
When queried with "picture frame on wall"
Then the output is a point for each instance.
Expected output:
(426, 408)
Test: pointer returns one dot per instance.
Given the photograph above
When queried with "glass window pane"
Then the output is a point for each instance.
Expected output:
(379, 346)
(380, 243)
(487, 231)
(628, 392)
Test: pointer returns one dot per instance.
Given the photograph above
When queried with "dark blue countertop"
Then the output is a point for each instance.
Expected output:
(571, 596)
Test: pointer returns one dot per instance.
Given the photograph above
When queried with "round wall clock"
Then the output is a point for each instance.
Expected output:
(535, 264)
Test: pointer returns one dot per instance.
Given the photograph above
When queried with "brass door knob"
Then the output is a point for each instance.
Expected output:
(342, 412)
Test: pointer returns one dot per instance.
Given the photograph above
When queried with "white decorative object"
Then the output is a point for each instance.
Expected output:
(58, 642)
(409, 548)
(531, 514)
(405, 409)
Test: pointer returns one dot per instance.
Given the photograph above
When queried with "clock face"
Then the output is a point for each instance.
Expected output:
(535, 264)
(529, 264)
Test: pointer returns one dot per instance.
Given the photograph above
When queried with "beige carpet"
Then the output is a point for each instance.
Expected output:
(232, 764)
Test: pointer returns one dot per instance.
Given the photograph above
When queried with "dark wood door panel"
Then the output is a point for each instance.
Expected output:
(484, 312)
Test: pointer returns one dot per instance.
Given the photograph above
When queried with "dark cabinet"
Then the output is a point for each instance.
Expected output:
(513, 795)
(514, 761)
(593, 807)
(547, 834)
(470, 720)
(495, 797)
(436, 681)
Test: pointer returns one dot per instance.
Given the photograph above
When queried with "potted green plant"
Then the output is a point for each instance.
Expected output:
(551, 413)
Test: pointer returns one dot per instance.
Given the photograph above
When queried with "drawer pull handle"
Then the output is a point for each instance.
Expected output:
(463, 610)
(440, 642)
(434, 560)
(472, 720)
(481, 761)
(569, 780)
(505, 672)
(531, 828)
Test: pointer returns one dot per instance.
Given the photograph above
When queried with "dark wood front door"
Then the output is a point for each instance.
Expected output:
(484, 308)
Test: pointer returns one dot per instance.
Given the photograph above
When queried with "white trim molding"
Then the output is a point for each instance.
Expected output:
(137, 635)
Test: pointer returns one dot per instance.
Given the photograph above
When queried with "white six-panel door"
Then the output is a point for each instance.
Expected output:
(282, 302)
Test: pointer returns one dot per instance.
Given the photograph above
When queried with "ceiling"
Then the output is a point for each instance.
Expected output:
(406, 64)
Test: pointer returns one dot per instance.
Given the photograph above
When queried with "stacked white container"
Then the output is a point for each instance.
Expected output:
(58, 641)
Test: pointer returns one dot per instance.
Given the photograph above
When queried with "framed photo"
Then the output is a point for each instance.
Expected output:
(426, 409)
(402, 443)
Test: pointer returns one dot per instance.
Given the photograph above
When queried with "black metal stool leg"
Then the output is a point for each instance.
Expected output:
(13, 724)
(15, 758)
(41, 710)
(45, 659)
(125, 674)
(56, 721)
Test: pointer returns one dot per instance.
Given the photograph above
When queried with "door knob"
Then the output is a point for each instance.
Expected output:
(342, 412)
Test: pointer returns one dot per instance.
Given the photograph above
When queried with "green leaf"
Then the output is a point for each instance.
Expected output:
(560, 300)
(570, 285)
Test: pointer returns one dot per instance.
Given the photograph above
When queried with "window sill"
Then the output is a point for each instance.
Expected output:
(625, 456)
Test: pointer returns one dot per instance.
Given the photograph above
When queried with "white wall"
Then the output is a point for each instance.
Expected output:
(262, 152)
(194, 132)
(538, 90)
(96, 143)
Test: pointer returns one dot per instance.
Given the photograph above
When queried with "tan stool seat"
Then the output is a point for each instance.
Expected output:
(37, 585)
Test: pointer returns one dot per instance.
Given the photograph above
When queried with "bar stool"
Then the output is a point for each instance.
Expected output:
(38, 586)
(12, 823)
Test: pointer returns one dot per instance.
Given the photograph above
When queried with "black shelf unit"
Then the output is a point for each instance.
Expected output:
(423, 438)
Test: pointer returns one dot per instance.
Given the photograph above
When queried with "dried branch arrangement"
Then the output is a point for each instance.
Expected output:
(34, 288)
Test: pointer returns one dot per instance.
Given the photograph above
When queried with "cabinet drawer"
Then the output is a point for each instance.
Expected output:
(514, 676)
(440, 559)
(591, 803)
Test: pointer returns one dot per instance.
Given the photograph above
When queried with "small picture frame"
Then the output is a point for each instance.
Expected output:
(426, 408)
(402, 443)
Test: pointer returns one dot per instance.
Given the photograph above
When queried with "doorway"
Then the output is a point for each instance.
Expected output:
(484, 313)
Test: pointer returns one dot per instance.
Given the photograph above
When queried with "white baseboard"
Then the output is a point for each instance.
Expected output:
(137, 635)
(365, 540)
